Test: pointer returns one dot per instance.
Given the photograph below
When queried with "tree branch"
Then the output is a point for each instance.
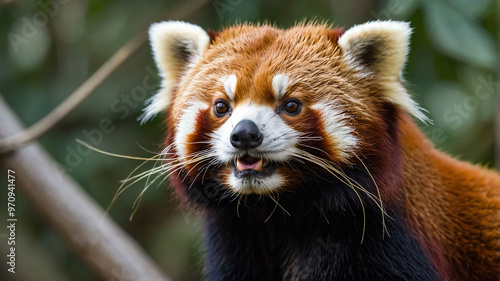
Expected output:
(103, 245)
(88, 87)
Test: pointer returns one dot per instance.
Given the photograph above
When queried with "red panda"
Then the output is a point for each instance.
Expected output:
(298, 149)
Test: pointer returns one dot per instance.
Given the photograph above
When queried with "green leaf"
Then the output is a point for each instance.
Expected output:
(474, 9)
(395, 9)
(442, 101)
(457, 36)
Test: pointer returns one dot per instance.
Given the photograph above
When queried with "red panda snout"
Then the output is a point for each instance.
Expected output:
(251, 143)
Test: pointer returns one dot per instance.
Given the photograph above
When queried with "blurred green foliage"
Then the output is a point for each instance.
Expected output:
(44, 58)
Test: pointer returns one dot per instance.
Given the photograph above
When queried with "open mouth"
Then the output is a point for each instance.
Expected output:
(248, 166)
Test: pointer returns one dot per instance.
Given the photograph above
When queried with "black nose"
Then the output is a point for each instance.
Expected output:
(246, 135)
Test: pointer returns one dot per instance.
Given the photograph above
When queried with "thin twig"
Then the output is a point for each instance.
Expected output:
(88, 87)
(77, 97)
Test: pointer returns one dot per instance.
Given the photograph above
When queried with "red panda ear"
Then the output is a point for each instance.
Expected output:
(176, 46)
(381, 48)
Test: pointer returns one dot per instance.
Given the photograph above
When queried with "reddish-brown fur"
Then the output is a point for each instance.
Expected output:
(453, 207)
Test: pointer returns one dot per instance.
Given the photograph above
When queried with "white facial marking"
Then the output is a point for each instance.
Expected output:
(255, 185)
(186, 126)
(229, 83)
(336, 127)
(280, 83)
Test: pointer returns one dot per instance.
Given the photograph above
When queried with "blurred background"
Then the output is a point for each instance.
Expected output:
(451, 71)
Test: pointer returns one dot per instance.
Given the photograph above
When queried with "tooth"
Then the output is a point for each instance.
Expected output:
(264, 163)
(239, 166)
(258, 165)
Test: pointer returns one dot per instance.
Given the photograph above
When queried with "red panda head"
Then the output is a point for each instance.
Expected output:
(256, 106)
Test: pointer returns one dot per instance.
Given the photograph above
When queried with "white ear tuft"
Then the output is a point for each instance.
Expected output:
(176, 47)
(381, 48)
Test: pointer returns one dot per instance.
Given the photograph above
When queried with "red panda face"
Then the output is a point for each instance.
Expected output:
(258, 106)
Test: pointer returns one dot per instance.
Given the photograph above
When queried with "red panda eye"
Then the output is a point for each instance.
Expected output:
(221, 108)
(292, 106)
